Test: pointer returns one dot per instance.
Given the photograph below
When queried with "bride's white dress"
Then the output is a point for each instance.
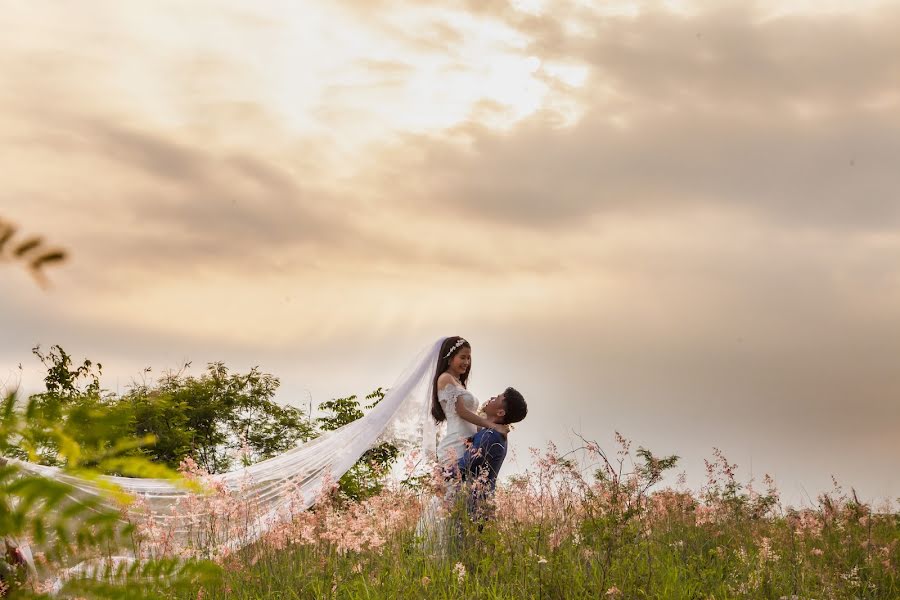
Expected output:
(452, 444)
(433, 527)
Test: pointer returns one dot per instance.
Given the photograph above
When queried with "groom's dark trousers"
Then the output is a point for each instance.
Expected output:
(479, 468)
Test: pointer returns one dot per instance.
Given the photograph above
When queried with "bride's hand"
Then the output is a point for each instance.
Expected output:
(501, 427)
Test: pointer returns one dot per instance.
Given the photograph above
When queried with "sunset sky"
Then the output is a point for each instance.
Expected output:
(679, 220)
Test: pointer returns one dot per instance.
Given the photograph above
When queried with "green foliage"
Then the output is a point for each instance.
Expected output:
(725, 492)
(71, 397)
(343, 411)
(366, 477)
(213, 418)
(147, 580)
(67, 525)
(62, 382)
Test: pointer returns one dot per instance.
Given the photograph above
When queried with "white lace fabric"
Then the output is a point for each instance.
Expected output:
(452, 444)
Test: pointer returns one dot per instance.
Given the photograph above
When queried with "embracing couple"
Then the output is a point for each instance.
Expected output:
(474, 445)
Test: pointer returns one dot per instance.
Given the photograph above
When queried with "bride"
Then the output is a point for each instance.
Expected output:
(451, 401)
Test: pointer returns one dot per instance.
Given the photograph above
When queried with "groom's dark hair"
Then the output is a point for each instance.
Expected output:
(516, 409)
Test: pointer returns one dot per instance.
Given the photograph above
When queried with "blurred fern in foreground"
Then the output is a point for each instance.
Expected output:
(65, 527)
(30, 251)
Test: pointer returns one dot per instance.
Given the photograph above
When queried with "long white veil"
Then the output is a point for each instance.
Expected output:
(280, 486)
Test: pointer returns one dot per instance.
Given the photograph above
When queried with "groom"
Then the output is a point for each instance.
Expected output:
(482, 460)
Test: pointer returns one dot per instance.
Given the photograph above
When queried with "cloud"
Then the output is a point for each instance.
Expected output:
(182, 157)
(177, 197)
(788, 118)
(828, 174)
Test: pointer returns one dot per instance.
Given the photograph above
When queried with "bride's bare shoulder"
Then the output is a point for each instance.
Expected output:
(444, 379)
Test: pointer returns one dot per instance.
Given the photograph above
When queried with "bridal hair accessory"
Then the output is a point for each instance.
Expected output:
(458, 343)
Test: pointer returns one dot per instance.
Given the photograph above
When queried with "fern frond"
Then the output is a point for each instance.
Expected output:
(32, 250)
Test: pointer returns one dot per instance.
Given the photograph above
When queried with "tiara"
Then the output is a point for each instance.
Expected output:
(458, 343)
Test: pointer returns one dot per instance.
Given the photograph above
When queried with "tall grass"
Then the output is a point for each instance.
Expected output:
(581, 525)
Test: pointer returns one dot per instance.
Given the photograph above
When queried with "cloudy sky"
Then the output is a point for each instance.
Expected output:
(676, 219)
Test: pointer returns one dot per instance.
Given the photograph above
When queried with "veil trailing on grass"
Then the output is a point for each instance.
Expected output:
(265, 494)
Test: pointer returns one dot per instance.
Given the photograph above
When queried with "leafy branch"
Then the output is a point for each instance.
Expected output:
(29, 251)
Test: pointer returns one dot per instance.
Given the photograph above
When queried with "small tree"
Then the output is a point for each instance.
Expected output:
(213, 418)
(72, 397)
(366, 477)
(216, 417)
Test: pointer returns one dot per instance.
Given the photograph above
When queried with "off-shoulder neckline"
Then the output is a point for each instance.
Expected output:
(456, 382)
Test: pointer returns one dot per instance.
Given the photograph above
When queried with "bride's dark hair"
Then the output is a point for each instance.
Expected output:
(444, 358)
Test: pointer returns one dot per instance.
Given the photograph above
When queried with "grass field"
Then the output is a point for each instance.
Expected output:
(583, 525)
